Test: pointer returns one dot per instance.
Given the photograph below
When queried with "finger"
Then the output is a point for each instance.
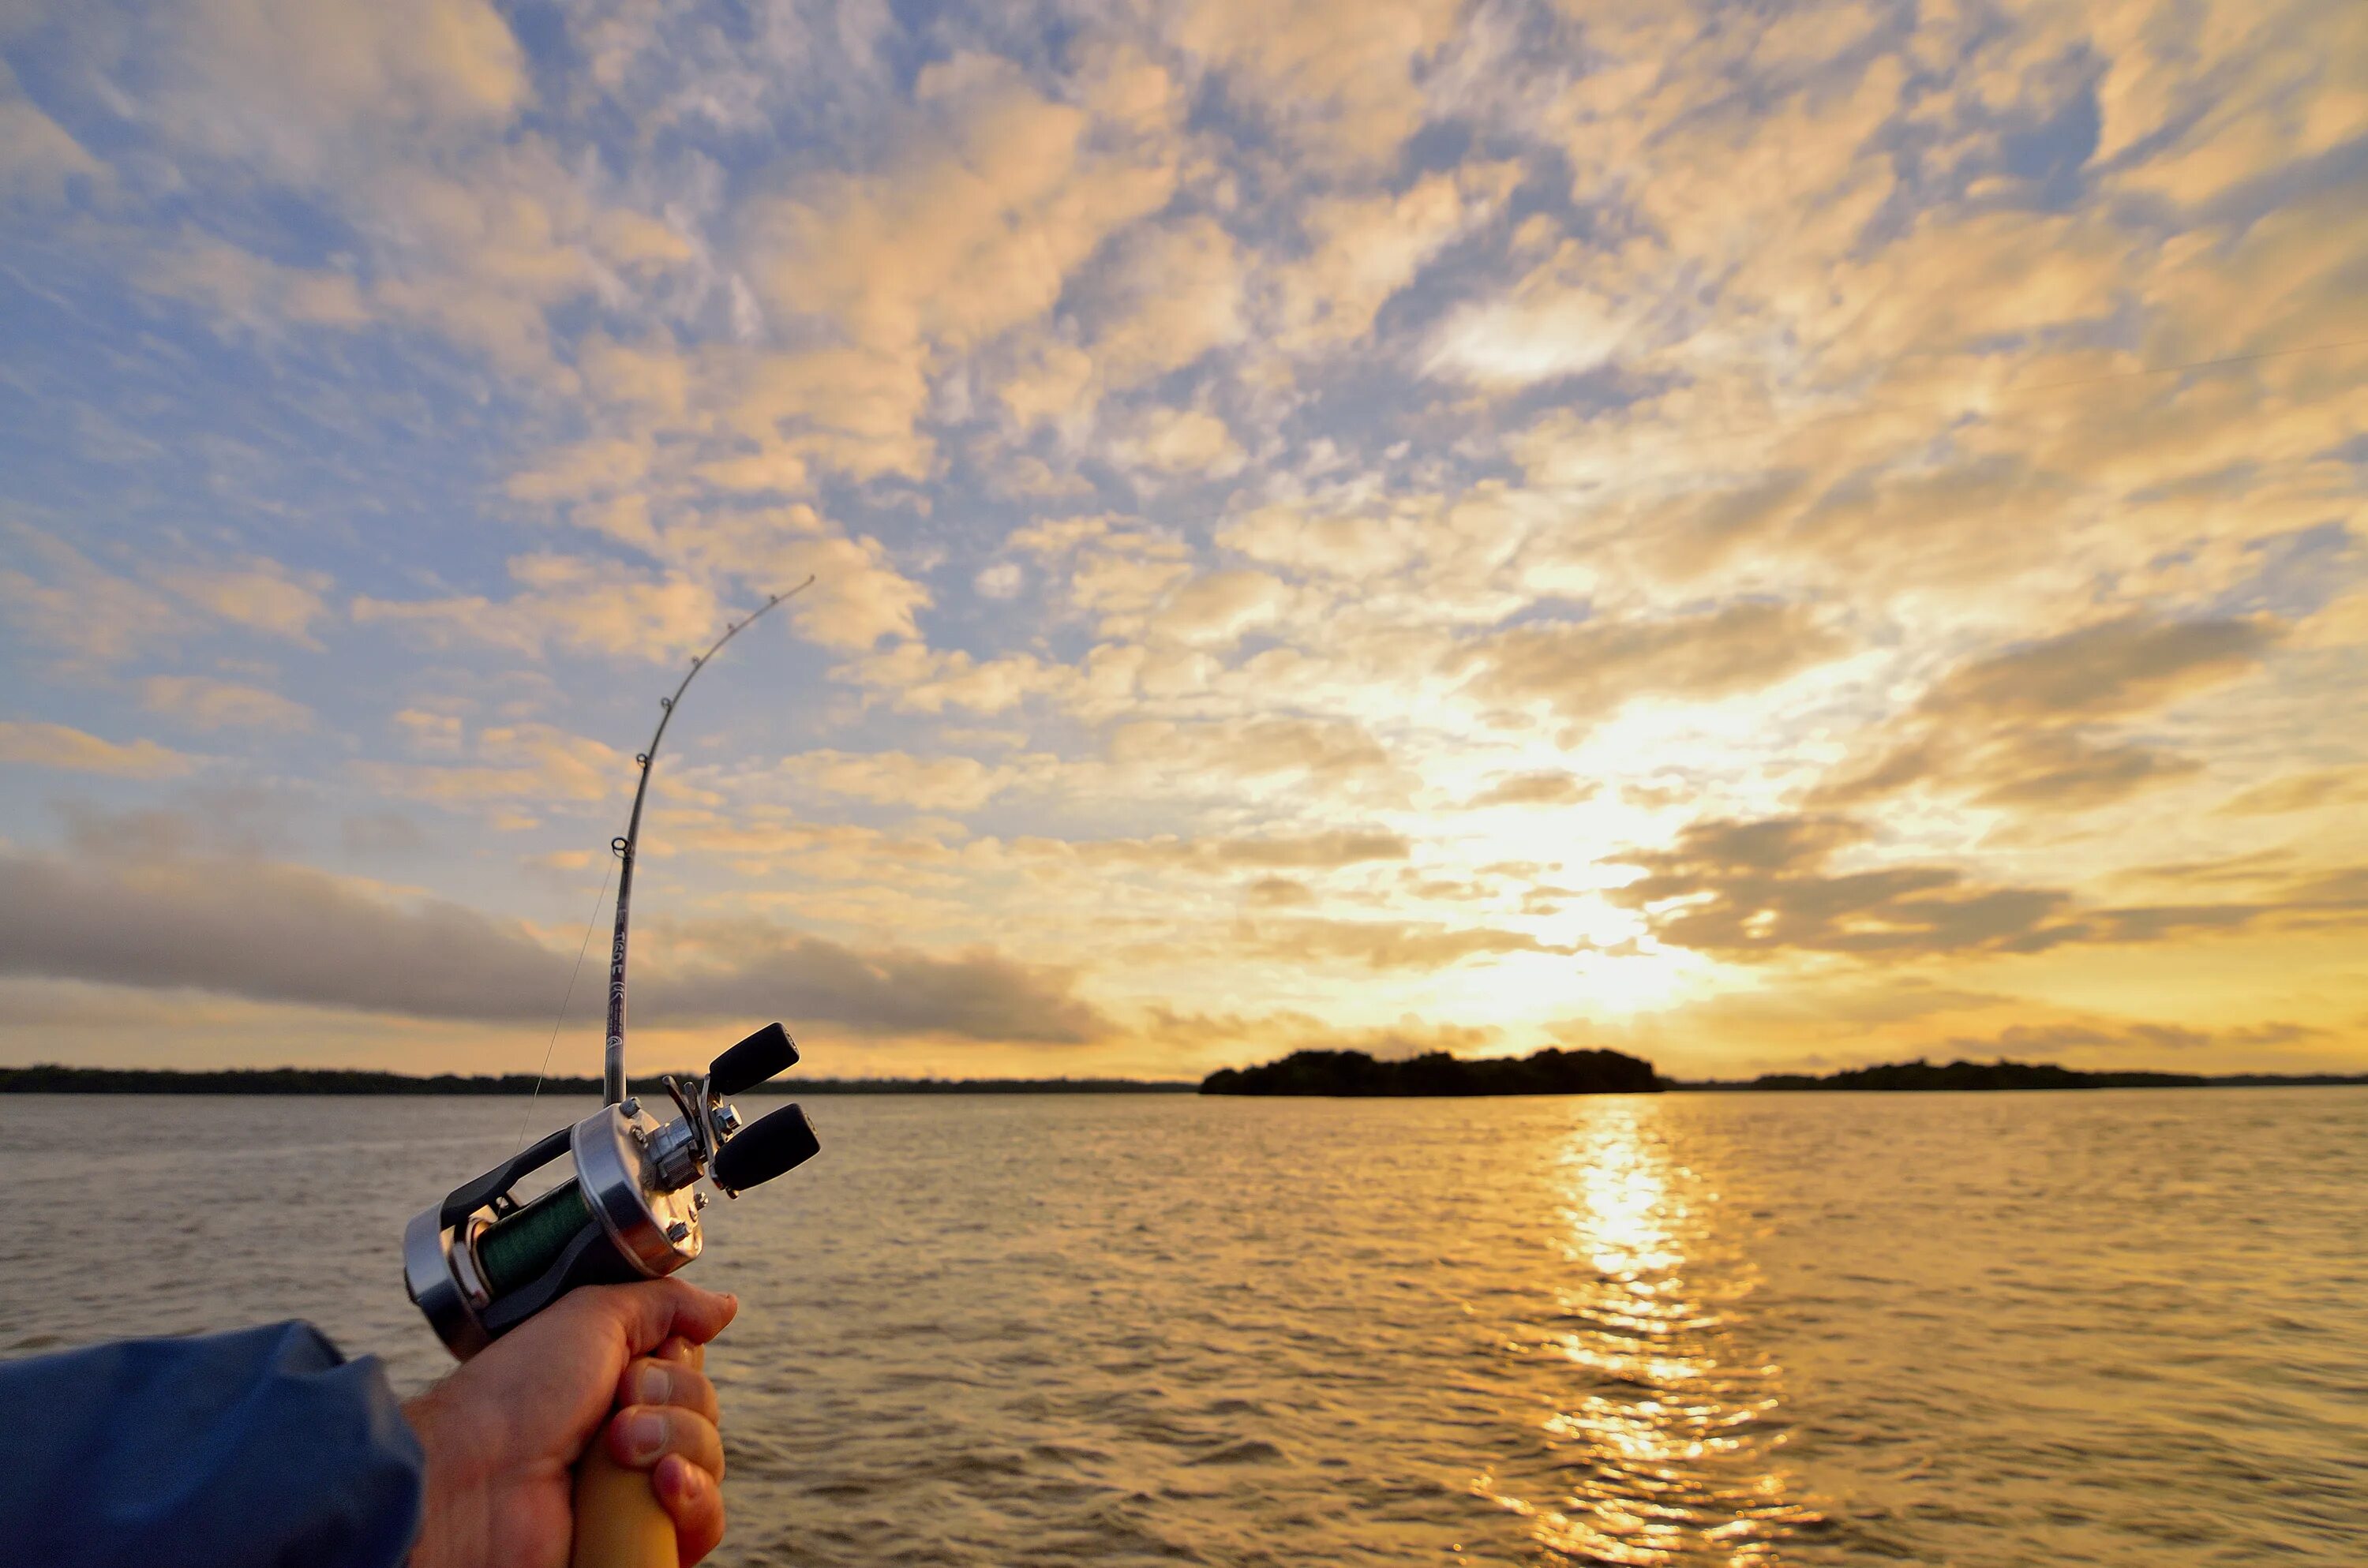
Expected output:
(641, 1435)
(680, 1349)
(654, 1381)
(694, 1501)
(651, 1311)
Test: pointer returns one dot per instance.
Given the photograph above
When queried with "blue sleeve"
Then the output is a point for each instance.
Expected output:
(263, 1447)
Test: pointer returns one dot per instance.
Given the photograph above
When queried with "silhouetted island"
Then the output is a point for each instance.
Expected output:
(2002, 1074)
(48, 1078)
(1354, 1073)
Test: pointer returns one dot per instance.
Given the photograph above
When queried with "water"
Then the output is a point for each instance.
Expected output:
(2117, 1328)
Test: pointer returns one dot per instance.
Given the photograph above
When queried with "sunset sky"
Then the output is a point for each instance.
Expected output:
(1760, 535)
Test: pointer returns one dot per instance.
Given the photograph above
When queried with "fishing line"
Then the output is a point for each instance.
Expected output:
(591, 922)
(613, 1068)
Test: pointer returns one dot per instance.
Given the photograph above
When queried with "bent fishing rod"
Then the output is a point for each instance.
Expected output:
(482, 1262)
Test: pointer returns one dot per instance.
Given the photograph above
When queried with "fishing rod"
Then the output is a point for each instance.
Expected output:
(612, 1066)
(482, 1262)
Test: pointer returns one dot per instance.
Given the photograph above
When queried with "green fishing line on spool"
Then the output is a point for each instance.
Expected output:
(516, 1251)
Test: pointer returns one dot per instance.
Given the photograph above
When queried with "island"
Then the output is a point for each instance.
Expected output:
(1962, 1077)
(1355, 1075)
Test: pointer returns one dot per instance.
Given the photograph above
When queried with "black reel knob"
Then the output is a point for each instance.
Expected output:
(750, 1062)
(779, 1141)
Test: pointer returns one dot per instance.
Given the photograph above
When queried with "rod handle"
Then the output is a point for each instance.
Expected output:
(619, 1520)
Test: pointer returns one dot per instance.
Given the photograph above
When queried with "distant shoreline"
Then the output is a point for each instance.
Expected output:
(1957, 1077)
(1963, 1077)
(52, 1079)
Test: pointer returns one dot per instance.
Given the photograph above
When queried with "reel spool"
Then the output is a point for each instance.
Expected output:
(480, 1262)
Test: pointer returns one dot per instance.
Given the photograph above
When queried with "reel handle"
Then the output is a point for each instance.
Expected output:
(619, 1521)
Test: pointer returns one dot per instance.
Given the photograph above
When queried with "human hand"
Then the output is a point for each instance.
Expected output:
(503, 1433)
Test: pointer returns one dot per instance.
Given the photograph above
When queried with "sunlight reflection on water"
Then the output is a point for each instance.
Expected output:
(1663, 1455)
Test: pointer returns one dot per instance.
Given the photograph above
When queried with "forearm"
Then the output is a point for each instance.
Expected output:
(260, 1447)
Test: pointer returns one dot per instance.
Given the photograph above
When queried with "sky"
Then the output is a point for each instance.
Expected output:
(1765, 536)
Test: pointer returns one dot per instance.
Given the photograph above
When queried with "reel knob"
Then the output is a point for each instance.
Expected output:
(750, 1062)
(778, 1141)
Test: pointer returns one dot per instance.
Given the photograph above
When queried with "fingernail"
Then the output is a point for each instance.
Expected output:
(643, 1433)
(654, 1385)
(677, 1477)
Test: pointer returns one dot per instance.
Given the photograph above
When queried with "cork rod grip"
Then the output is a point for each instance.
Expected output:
(619, 1521)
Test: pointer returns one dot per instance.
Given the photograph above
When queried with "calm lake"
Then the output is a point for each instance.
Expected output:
(2121, 1328)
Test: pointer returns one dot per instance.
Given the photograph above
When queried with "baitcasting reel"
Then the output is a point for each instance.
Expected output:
(482, 1263)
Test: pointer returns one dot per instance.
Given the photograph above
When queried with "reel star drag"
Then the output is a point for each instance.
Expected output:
(480, 1262)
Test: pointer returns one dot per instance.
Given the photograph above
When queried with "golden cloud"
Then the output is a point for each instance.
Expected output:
(1585, 671)
(75, 751)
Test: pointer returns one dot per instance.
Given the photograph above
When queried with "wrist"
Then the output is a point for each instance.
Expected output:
(436, 1543)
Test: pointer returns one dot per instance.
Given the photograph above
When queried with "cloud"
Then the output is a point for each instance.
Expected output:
(207, 704)
(300, 85)
(2019, 728)
(996, 196)
(2117, 667)
(1549, 788)
(1120, 575)
(69, 606)
(585, 605)
(916, 783)
(1333, 545)
(1342, 848)
(573, 603)
(1179, 441)
(2144, 1042)
(1219, 609)
(1324, 851)
(1381, 944)
(1177, 295)
(75, 751)
(991, 197)
(270, 933)
(1366, 249)
(1585, 671)
(1543, 331)
(2220, 101)
(1277, 891)
(255, 293)
(1748, 890)
(289, 934)
(915, 677)
(1336, 80)
(1753, 890)
(38, 155)
(264, 596)
(1234, 1039)
(716, 970)
(2302, 792)
(380, 832)
(1331, 749)
(516, 771)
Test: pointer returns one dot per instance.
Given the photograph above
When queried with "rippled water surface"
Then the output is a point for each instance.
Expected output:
(2120, 1328)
